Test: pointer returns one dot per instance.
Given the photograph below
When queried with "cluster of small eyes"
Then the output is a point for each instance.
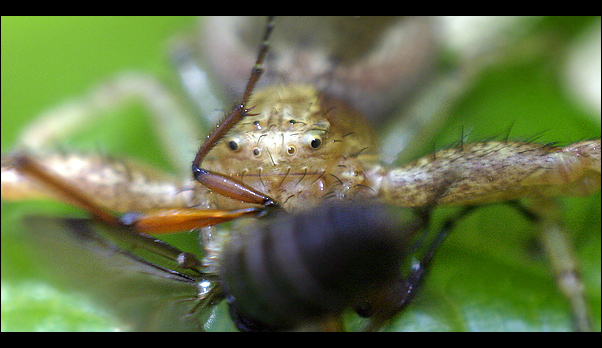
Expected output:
(315, 142)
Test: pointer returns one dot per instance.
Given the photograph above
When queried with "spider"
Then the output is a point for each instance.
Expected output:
(3, 213)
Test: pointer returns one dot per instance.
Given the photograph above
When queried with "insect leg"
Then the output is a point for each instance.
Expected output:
(481, 173)
(33, 169)
(174, 125)
(115, 184)
(26, 177)
(401, 293)
(547, 214)
(219, 183)
(134, 239)
(195, 81)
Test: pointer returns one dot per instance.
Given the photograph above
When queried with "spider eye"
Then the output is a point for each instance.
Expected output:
(315, 143)
(233, 145)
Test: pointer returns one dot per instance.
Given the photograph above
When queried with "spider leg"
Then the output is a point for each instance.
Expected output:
(547, 215)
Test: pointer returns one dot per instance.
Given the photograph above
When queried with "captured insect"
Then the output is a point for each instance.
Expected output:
(340, 184)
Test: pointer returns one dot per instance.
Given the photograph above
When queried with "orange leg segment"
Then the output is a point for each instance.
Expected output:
(163, 221)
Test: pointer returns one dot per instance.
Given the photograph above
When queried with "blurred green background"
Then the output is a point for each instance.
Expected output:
(488, 276)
